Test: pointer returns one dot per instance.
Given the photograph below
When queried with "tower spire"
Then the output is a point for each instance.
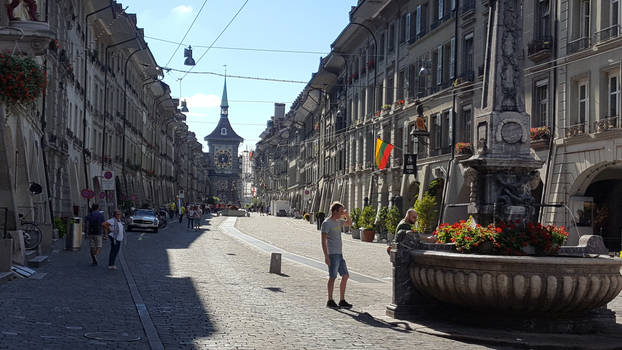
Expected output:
(224, 104)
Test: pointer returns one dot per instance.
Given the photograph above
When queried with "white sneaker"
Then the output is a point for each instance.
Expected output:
(112, 267)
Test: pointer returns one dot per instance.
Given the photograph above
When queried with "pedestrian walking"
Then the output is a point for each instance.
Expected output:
(116, 232)
(94, 232)
(197, 217)
(182, 211)
(333, 256)
(191, 214)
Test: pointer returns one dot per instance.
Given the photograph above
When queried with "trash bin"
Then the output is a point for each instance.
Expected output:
(73, 240)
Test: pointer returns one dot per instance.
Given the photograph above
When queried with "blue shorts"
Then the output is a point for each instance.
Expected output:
(337, 264)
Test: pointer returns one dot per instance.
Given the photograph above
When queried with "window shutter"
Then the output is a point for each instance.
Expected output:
(439, 66)
(418, 19)
(407, 27)
(452, 58)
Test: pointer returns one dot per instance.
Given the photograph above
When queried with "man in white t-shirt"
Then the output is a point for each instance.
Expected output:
(331, 245)
(115, 229)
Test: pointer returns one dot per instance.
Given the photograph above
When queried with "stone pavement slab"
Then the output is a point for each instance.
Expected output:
(70, 299)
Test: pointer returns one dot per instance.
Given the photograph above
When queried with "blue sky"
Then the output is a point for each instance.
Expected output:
(302, 25)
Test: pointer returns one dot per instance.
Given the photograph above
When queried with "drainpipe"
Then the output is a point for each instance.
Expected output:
(453, 119)
(553, 122)
(44, 146)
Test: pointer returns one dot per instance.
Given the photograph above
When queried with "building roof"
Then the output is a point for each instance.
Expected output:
(223, 123)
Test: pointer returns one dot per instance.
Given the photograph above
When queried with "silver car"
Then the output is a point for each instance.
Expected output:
(143, 219)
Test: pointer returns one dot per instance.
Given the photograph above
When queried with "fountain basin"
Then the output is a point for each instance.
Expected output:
(519, 284)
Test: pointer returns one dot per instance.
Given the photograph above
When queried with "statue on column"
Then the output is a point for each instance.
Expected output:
(31, 5)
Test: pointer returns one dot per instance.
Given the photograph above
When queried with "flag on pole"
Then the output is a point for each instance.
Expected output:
(383, 150)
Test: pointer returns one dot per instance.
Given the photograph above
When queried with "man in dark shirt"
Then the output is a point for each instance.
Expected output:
(94, 232)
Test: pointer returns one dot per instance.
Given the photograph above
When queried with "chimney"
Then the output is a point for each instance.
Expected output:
(279, 110)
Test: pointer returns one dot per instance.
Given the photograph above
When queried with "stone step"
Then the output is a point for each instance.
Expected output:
(37, 261)
(29, 254)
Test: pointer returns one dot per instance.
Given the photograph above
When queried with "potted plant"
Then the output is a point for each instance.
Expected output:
(427, 213)
(380, 225)
(355, 215)
(319, 216)
(22, 80)
(366, 223)
(393, 218)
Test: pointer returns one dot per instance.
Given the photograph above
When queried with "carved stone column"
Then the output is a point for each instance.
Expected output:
(502, 160)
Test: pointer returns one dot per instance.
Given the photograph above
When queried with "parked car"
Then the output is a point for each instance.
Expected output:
(281, 212)
(143, 219)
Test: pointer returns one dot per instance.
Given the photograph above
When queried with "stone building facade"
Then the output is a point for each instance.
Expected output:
(105, 109)
(398, 58)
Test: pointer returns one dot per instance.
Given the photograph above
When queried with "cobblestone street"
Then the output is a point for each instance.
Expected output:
(202, 290)
(209, 290)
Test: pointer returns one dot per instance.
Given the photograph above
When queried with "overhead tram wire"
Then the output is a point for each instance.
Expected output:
(243, 48)
(187, 31)
(218, 37)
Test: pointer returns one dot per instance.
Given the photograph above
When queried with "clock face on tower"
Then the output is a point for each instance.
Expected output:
(223, 158)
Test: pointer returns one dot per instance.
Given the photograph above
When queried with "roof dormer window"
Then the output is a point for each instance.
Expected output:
(223, 131)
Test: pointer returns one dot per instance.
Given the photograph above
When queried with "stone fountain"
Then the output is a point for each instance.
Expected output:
(566, 293)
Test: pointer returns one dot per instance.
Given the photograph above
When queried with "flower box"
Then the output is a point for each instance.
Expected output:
(540, 133)
(464, 148)
(22, 80)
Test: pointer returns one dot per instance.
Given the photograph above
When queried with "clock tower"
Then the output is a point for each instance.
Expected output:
(225, 168)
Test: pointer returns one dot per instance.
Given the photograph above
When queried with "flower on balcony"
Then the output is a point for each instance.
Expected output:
(400, 102)
(540, 133)
(21, 79)
(386, 107)
(464, 148)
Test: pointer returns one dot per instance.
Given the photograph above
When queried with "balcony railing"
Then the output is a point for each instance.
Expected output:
(467, 8)
(607, 124)
(575, 130)
(540, 48)
(579, 45)
(607, 34)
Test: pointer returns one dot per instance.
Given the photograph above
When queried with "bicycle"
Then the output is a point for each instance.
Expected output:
(32, 233)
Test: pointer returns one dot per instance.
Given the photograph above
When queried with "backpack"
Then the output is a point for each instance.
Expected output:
(94, 225)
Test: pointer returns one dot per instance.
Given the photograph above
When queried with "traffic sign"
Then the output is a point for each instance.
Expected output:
(107, 180)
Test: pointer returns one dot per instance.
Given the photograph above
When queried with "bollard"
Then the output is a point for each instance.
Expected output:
(275, 263)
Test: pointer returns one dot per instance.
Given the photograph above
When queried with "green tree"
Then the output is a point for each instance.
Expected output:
(427, 213)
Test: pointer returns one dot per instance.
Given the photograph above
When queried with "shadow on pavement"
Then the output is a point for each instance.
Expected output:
(172, 300)
(370, 320)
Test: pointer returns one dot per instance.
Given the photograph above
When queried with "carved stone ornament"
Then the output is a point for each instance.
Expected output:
(512, 131)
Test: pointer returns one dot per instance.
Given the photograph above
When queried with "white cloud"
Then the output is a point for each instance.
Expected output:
(202, 100)
(182, 10)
